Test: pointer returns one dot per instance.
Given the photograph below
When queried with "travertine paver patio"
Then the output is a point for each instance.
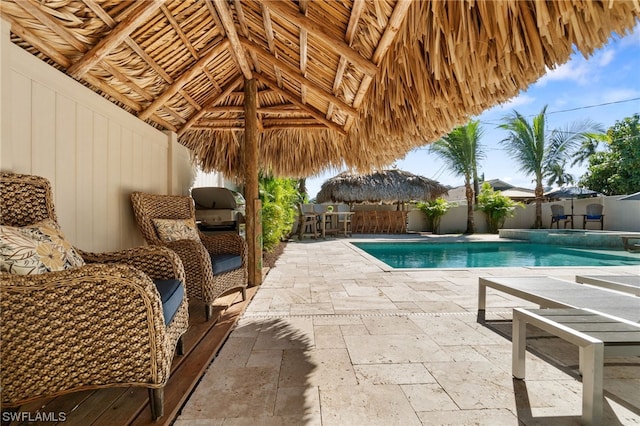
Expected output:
(331, 339)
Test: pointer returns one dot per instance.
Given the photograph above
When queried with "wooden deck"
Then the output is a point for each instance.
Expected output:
(130, 406)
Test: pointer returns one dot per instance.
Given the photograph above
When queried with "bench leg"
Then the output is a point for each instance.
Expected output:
(519, 349)
(482, 301)
(592, 366)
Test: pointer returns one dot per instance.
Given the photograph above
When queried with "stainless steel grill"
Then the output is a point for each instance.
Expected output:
(218, 208)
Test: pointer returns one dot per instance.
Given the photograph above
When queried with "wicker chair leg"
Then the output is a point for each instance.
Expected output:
(180, 346)
(244, 294)
(208, 311)
(156, 400)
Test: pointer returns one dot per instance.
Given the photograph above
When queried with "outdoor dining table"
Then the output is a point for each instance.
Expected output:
(331, 216)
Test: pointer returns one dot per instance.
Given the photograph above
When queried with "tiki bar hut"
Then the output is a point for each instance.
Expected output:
(108, 97)
(386, 186)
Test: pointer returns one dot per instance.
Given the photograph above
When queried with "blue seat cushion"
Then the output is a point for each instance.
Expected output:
(564, 216)
(594, 217)
(222, 263)
(171, 294)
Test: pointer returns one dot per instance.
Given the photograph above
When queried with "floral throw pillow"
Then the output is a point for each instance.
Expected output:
(176, 229)
(36, 249)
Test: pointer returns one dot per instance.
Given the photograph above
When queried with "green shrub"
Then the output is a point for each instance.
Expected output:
(434, 210)
(496, 206)
(279, 197)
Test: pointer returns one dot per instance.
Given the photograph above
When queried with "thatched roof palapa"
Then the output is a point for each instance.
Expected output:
(351, 83)
(387, 186)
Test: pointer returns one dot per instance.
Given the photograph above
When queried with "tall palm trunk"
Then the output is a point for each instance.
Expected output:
(469, 194)
(539, 193)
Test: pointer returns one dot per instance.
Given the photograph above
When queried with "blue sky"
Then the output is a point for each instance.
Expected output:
(604, 88)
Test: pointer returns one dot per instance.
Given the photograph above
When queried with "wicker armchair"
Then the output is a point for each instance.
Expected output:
(204, 281)
(94, 326)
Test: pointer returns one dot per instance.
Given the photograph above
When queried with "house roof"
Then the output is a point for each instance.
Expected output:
(514, 192)
(350, 83)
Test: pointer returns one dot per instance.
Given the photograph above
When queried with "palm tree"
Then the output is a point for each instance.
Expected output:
(461, 151)
(540, 153)
(557, 175)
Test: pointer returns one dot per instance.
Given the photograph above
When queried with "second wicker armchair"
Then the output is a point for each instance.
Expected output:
(215, 265)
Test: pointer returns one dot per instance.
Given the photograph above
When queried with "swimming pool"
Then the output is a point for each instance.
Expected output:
(490, 254)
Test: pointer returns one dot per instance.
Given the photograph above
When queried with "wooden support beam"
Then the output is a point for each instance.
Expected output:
(295, 73)
(245, 31)
(354, 19)
(230, 29)
(306, 108)
(107, 19)
(251, 167)
(211, 102)
(393, 26)
(176, 27)
(182, 80)
(317, 126)
(52, 24)
(338, 46)
(274, 109)
(142, 12)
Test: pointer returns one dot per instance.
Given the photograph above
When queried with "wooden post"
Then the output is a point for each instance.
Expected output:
(251, 181)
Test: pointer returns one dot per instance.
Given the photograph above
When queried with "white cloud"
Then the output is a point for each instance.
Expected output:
(615, 95)
(578, 70)
(605, 57)
(518, 101)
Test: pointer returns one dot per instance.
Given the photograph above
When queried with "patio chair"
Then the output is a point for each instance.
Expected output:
(557, 216)
(73, 320)
(594, 214)
(215, 265)
(344, 220)
(307, 222)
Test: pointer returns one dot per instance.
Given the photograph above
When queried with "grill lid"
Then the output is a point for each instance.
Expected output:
(212, 197)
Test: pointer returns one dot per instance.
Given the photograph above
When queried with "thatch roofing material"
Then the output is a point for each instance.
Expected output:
(387, 186)
(341, 83)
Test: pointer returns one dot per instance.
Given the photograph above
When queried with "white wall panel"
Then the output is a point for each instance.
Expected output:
(66, 170)
(94, 153)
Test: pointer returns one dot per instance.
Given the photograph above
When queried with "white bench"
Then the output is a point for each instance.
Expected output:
(596, 334)
(623, 283)
(548, 292)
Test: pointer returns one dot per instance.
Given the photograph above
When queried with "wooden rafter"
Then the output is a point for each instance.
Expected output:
(303, 50)
(268, 31)
(214, 15)
(354, 19)
(178, 30)
(339, 46)
(230, 29)
(287, 109)
(294, 100)
(142, 11)
(107, 19)
(52, 24)
(296, 74)
(182, 80)
(393, 26)
(245, 32)
(211, 102)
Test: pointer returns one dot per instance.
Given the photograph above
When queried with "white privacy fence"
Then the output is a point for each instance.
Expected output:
(618, 216)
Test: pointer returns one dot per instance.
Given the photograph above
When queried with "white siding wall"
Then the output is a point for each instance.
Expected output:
(94, 153)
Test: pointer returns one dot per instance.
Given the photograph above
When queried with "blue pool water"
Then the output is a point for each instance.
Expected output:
(490, 254)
